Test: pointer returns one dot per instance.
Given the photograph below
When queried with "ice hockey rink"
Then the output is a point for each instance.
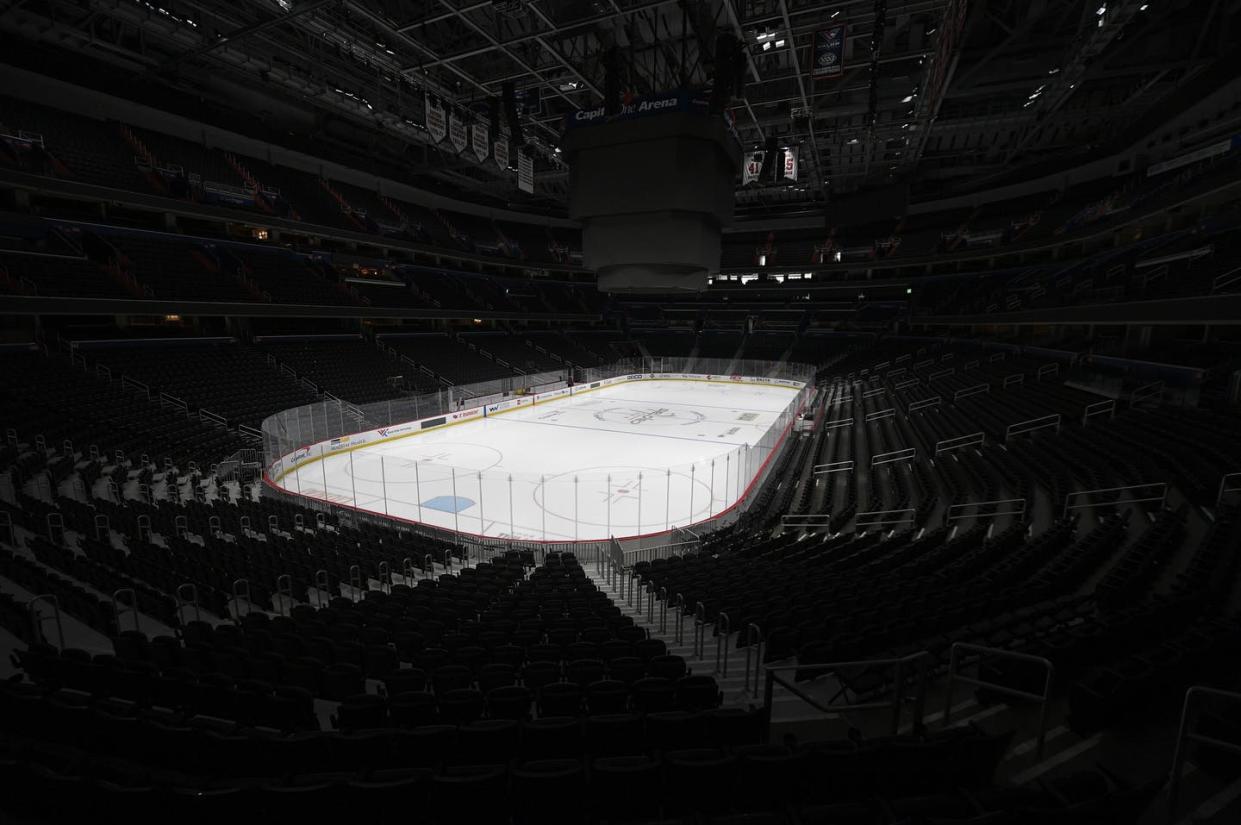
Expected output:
(627, 459)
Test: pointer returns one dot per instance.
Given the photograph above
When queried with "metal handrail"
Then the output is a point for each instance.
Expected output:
(650, 602)
(921, 657)
(680, 617)
(323, 586)
(37, 621)
(1016, 510)
(662, 598)
(385, 577)
(723, 627)
(752, 647)
(1224, 489)
(1162, 498)
(284, 587)
(1185, 734)
(118, 606)
(954, 659)
(700, 629)
(193, 600)
(355, 581)
(241, 591)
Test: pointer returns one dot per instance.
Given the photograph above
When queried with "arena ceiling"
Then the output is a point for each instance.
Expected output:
(945, 95)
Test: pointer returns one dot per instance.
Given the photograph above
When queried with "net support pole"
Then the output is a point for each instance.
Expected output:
(690, 519)
(418, 489)
(353, 481)
(711, 487)
(383, 482)
(482, 522)
(323, 468)
(667, 496)
(639, 504)
(456, 509)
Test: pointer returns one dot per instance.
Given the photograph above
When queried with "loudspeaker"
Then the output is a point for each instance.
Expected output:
(510, 113)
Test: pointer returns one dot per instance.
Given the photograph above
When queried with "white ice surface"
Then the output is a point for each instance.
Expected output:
(623, 460)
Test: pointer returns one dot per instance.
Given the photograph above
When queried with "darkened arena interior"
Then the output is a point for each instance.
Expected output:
(543, 412)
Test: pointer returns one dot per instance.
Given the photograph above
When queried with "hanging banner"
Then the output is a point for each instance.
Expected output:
(456, 132)
(827, 52)
(751, 167)
(501, 152)
(482, 147)
(525, 173)
(436, 124)
(790, 163)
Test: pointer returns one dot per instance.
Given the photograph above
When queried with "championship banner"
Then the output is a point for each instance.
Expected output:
(478, 132)
(752, 167)
(525, 173)
(456, 132)
(436, 124)
(501, 152)
(827, 52)
(790, 163)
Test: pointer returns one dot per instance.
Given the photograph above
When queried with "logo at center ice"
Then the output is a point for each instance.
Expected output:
(637, 416)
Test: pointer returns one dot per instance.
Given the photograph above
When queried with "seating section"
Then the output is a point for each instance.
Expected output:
(226, 379)
(454, 359)
(351, 370)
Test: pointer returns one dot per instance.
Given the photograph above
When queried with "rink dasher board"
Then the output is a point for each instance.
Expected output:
(304, 456)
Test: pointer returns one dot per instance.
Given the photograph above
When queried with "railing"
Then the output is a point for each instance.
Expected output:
(1048, 370)
(907, 383)
(894, 704)
(961, 442)
(839, 422)
(874, 392)
(284, 590)
(879, 415)
(878, 518)
(938, 374)
(1186, 733)
(753, 647)
(661, 551)
(119, 607)
(969, 365)
(907, 454)
(191, 601)
(811, 520)
(36, 620)
(933, 401)
(1107, 408)
(1224, 487)
(723, 627)
(1017, 508)
(1147, 393)
(954, 660)
(1072, 500)
(241, 595)
(976, 389)
(1032, 425)
(1226, 279)
(1017, 378)
(833, 467)
(700, 629)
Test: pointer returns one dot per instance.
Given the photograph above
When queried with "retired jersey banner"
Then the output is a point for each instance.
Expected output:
(482, 146)
(827, 52)
(436, 124)
(751, 167)
(501, 152)
(456, 132)
(525, 173)
(790, 163)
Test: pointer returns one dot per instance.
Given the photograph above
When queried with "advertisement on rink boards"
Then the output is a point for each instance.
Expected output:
(302, 455)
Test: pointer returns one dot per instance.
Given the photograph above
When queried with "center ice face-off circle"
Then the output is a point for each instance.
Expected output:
(639, 415)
